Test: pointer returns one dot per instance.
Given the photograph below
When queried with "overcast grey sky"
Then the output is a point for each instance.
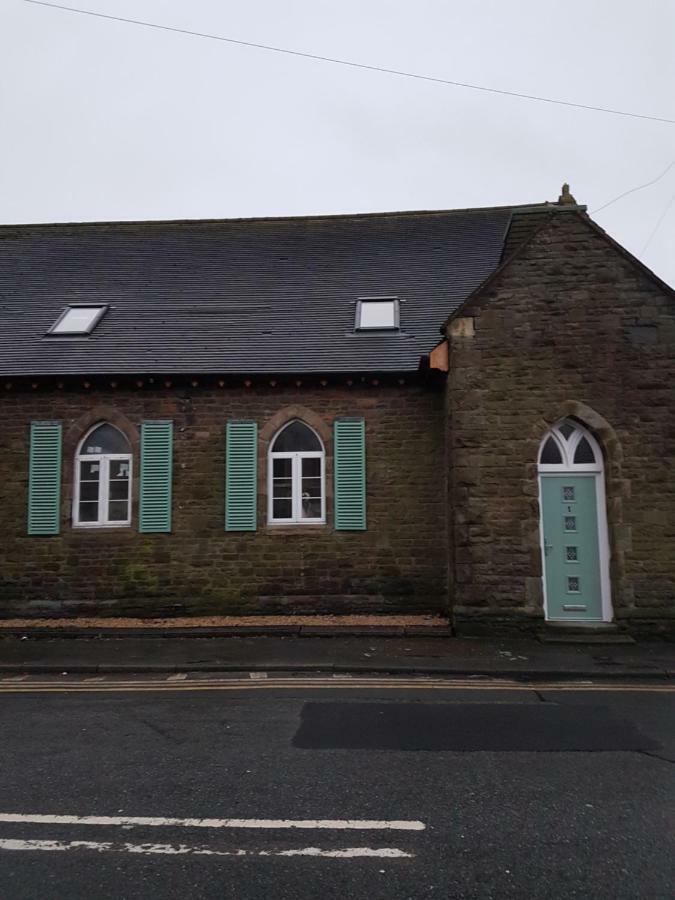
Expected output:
(103, 120)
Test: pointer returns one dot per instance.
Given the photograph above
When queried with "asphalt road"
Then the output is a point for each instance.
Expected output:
(336, 789)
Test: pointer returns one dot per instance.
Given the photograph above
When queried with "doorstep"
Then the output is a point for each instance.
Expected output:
(583, 633)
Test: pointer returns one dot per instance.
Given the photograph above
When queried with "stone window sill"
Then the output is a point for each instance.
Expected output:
(316, 528)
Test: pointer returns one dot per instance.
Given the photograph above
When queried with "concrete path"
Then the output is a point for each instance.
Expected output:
(526, 658)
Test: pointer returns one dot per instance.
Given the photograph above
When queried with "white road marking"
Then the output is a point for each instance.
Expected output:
(272, 824)
(16, 678)
(257, 676)
(179, 676)
(183, 849)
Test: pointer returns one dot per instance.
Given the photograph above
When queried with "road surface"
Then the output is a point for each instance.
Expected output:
(334, 787)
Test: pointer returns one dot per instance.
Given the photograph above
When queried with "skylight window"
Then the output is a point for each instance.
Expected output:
(377, 313)
(78, 320)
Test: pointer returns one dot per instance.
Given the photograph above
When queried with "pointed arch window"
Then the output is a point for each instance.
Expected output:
(569, 446)
(103, 472)
(296, 469)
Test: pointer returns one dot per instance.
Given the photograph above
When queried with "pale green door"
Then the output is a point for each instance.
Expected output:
(571, 548)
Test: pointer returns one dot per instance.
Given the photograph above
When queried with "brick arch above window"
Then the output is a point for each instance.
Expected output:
(97, 416)
(286, 415)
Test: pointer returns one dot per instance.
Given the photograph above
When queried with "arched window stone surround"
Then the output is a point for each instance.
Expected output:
(269, 431)
(74, 433)
(616, 487)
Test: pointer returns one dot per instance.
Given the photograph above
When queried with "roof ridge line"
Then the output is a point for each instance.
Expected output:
(525, 207)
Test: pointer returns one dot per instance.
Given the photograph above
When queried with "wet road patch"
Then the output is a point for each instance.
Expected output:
(468, 727)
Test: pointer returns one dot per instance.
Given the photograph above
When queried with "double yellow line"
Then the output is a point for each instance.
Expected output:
(308, 683)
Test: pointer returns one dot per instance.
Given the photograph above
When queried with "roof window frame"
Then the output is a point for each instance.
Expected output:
(396, 301)
(102, 308)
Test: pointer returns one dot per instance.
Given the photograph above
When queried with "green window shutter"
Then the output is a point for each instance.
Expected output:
(156, 466)
(241, 476)
(44, 478)
(350, 474)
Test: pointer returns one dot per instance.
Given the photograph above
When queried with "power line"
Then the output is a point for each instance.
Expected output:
(658, 225)
(356, 65)
(633, 190)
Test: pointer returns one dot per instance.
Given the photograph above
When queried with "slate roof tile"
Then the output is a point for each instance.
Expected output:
(239, 296)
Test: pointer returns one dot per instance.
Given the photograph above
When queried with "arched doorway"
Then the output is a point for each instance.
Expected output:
(575, 549)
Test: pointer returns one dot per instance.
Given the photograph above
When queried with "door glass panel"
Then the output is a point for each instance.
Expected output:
(573, 584)
(572, 554)
(568, 493)
(570, 523)
(550, 455)
(584, 453)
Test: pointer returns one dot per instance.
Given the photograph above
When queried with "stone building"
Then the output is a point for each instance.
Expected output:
(466, 412)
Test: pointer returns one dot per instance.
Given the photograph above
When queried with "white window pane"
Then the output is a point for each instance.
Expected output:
(282, 487)
(311, 467)
(118, 511)
(106, 439)
(584, 453)
(282, 509)
(89, 491)
(77, 320)
(295, 438)
(119, 490)
(283, 468)
(90, 471)
(311, 487)
(311, 508)
(377, 314)
(88, 512)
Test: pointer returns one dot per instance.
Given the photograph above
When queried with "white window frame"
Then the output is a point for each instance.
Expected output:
(395, 301)
(568, 448)
(80, 332)
(104, 460)
(296, 481)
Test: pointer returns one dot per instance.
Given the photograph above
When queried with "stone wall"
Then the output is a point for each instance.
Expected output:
(571, 327)
(398, 565)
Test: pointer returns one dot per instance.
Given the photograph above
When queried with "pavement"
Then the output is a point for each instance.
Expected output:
(422, 654)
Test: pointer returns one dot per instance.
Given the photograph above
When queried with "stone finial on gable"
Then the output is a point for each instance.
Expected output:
(565, 198)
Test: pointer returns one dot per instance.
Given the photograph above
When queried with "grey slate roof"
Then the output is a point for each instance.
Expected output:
(239, 296)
